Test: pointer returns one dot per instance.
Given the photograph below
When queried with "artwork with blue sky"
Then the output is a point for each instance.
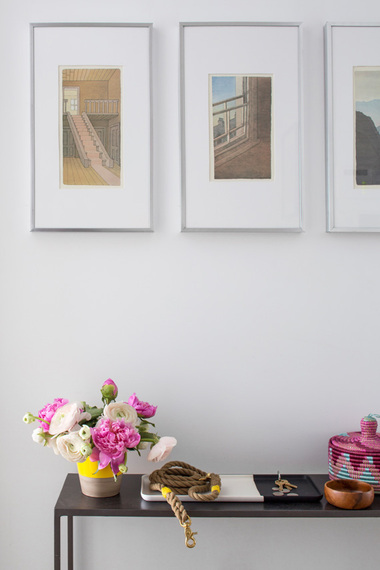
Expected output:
(223, 87)
(367, 92)
(367, 125)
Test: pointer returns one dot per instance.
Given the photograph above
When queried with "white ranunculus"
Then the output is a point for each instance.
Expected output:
(70, 446)
(37, 436)
(66, 417)
(86, 449)
(85, 432)
(52, 442)
(28, 418)
(121, 411)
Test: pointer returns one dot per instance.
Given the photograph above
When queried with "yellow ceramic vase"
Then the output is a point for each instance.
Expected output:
(96, 483)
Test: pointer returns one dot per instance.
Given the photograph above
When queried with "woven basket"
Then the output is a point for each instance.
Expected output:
(356, 455)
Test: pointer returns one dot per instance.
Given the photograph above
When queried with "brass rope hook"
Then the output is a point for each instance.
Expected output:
(189, 534)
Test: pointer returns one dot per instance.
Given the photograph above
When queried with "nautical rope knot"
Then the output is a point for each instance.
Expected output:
(178, 478)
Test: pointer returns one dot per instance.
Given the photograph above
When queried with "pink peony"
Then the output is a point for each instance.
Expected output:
(112, 439)
(49, 410)
(162, 449)
(143, 409)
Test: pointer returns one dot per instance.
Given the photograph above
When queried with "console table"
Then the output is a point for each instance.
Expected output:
(72, 503)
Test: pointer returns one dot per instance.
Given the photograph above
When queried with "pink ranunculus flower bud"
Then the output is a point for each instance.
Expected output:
(66, 417)
(162, 449)
(49, 410)
(109, 391)
(143, 409)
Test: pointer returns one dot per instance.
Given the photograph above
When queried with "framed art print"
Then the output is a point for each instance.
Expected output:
(241, 128)
(91, 127)
(352, 69)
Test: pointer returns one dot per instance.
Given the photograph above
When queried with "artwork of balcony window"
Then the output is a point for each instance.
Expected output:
(241, 126)
(90, 126)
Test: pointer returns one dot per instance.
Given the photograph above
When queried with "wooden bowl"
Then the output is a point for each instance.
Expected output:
(349, 494)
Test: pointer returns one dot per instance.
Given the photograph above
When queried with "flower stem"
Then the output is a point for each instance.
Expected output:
(41, 420)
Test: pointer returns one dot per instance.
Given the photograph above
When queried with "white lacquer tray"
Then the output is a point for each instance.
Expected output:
(234, 488)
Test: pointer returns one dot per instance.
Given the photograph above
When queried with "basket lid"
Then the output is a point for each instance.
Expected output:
(366, 441)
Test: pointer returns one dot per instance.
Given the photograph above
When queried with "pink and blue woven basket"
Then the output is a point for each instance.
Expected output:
(356, 455)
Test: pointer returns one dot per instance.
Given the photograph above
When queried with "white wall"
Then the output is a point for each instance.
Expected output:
(256, 347)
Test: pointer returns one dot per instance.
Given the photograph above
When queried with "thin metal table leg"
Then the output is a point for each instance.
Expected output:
(57, 542)
(70, 543)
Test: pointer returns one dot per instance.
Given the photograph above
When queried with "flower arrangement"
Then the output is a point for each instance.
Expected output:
(78, 431)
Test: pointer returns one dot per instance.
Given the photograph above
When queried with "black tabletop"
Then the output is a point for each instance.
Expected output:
(71, 502)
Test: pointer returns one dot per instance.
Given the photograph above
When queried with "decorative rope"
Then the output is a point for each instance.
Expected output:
(178, 478)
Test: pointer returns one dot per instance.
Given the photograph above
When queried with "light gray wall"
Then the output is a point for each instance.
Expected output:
(256, 348)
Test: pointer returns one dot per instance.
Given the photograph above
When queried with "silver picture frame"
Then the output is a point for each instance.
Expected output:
(241, 199)
(352, 102)
(118, 195)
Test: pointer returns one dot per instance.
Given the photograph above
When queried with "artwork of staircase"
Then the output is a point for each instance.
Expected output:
(90, 148)
(88, 142)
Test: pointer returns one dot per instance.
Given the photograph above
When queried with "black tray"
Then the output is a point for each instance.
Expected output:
(306, 489)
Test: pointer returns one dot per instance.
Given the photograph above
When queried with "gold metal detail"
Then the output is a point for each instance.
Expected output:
(189, 534)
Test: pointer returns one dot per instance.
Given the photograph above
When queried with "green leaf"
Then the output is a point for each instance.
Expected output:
(144, 422)
(146, 436)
